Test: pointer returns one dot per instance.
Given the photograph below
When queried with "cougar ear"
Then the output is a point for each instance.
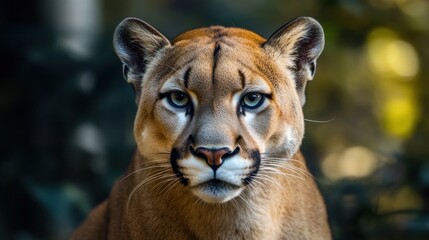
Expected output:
(297, 45)
(136, 43)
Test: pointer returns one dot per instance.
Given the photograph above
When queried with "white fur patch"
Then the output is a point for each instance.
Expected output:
(220, 196)
(198, 172)
(233, 169)
(291, 141)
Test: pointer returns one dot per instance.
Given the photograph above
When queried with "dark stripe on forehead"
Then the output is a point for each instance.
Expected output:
(218, 32)
(186, 77)
(164, 71)
(216, 52)
(215, 59)
(242, 78)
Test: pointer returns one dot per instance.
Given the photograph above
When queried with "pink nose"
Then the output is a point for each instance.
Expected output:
(213, 156)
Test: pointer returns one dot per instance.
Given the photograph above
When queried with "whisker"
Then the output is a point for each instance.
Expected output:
(157, 175)
(156, 160)
(283, 161)
(172, 182)
(142, 169)
(278, 172)
(158, 153)
(296, 169)
(287, 163)
(291, 168)
(235, 204)
(269, 179)
(319, 121)
(290, 187)
(172, 68)
(243, 199)
(158, 167)
(198, 202)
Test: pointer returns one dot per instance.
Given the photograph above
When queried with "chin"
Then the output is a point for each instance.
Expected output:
(216, 191)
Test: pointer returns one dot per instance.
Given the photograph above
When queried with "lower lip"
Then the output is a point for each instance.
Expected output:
(216, 184)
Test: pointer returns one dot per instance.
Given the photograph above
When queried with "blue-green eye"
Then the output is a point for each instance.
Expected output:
(178, 99)
(252, 100)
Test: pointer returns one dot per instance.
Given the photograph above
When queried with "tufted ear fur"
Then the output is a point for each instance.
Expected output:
(136, 43)
(297, 45)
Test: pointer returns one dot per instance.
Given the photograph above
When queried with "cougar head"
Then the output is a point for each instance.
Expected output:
(218, 99)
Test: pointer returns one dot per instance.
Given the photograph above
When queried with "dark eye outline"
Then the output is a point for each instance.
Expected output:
(169, 96)
(258, 104)
(243, 107)
(188, 107)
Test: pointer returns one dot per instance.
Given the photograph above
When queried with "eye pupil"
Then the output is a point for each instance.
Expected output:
(252, 100)
(178, 99)
(253, 97)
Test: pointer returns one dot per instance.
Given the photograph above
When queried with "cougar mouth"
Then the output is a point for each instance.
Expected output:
(216, 185)
(216, 191)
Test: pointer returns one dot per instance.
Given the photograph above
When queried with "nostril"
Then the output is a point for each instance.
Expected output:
(197, 152)
(230, 154)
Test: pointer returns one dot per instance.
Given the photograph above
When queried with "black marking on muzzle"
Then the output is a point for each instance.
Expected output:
(256, 157)
(191, 140)
(174, 156)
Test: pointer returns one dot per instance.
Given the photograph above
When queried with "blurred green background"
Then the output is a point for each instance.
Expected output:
(67, 114)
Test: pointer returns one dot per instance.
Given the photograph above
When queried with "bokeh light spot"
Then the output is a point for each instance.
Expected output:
(399, 116)
(413, 8)
(353, 162)
(357, 162)
(389, 56)
(402, 58)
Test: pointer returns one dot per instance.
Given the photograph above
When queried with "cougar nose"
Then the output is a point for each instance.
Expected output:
(214, 156)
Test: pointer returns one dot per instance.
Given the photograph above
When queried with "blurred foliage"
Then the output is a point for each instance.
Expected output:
(67, 114)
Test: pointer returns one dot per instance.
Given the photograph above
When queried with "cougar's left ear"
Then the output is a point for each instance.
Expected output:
(297, 45)
(136, 43)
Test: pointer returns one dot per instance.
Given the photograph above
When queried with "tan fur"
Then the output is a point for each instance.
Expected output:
(281, 201)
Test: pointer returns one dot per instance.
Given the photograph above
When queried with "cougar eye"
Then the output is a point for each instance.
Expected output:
(178, 99)
(252, 100)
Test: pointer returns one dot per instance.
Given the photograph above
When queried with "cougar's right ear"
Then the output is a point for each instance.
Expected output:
(136, 43)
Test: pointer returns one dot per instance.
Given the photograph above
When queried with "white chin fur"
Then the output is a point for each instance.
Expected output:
(218, 196)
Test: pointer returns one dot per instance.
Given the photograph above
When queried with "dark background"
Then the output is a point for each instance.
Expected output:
(67, 114)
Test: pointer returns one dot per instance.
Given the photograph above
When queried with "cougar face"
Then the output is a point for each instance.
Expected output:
(217, 151)
(218, 100)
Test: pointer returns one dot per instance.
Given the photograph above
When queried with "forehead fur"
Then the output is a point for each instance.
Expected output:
(219, 33)
(240, 51)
